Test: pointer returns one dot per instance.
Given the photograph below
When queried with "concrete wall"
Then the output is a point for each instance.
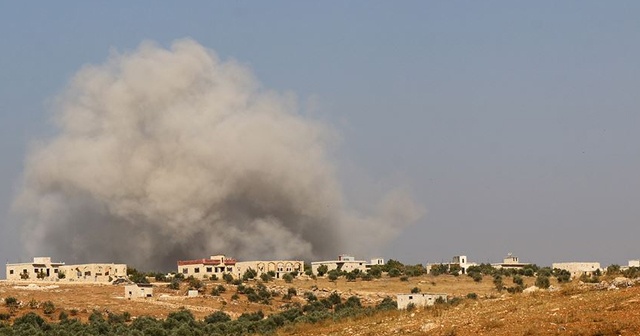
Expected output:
(419, 299)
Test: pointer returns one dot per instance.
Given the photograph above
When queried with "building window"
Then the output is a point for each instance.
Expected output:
(196, 270)
(185, 271)
(10, 271)
(209, 269)
(87, 273)
(55, 270)
(410, 297)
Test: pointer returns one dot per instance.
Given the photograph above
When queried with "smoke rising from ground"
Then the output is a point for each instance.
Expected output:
(167, 154)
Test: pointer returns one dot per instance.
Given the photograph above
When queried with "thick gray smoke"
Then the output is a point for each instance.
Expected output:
(172, 154)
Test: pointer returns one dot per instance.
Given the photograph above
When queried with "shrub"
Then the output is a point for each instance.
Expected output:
(63, 316)
(249, 274)
(387, 304)
(217, 317)
(394, 272)
(367, 277)
(497, 282)
(322, 270)
(235, 297)
(227, 277)
(404, 278)
(518, 280)
(476, 276)
(48, 307)
(213, 277)
(411, 306)
(472, 296)
(415, 290)
(333, 276)
(351, 276)
(160, 277)
(4, 316)
(292, 291)
(215, 291)
(310, 297)
(265, 277)
(61, 275)
(288, 278)
(11, 301)
(175, 284)
(195, 283)
(543, 281)
(334, 298)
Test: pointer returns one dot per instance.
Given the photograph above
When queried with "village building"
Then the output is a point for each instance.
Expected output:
(511, 262)
(43, 269)
(419, 299)
(460, 261)
(634, 263)
(219, 265)
(139, 290)
(277, 267)
(578, 268)
(345, 263)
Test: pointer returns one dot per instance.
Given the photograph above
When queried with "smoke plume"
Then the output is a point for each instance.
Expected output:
(168, 154)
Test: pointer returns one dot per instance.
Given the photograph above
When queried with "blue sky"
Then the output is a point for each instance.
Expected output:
(515, 124)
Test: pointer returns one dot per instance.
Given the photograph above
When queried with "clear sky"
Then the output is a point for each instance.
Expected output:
(515, 124)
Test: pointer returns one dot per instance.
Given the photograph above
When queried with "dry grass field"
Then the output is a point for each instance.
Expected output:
(573, 309)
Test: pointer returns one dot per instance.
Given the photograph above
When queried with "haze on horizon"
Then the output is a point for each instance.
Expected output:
(515, 125)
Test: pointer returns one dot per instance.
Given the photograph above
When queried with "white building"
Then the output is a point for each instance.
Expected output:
(511, 261)
(419, 299)
(278, 267)
(138, 291)
(219, 265)
(578, 268)
(344, 263)
(634, 263)
(43, 269)
(461, 261)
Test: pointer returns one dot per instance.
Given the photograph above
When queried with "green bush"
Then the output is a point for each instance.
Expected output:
(322, 270)
(415, 290)
(48, 307)
(542, 281)
(472, 296)
(217, 317)
(288, 278)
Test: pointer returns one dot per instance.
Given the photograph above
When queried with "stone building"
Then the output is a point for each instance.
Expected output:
(511, 261)
(419, 299)
(578, 268)
(140, 290)
(278, 267)
(219, 265)
(344, 263)
(43, 269)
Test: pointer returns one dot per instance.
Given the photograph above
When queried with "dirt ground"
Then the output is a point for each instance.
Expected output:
(572, 309)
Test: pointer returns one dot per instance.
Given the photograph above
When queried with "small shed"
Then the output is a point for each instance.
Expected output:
(139, 290)
(419, 299)
(192, 293)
